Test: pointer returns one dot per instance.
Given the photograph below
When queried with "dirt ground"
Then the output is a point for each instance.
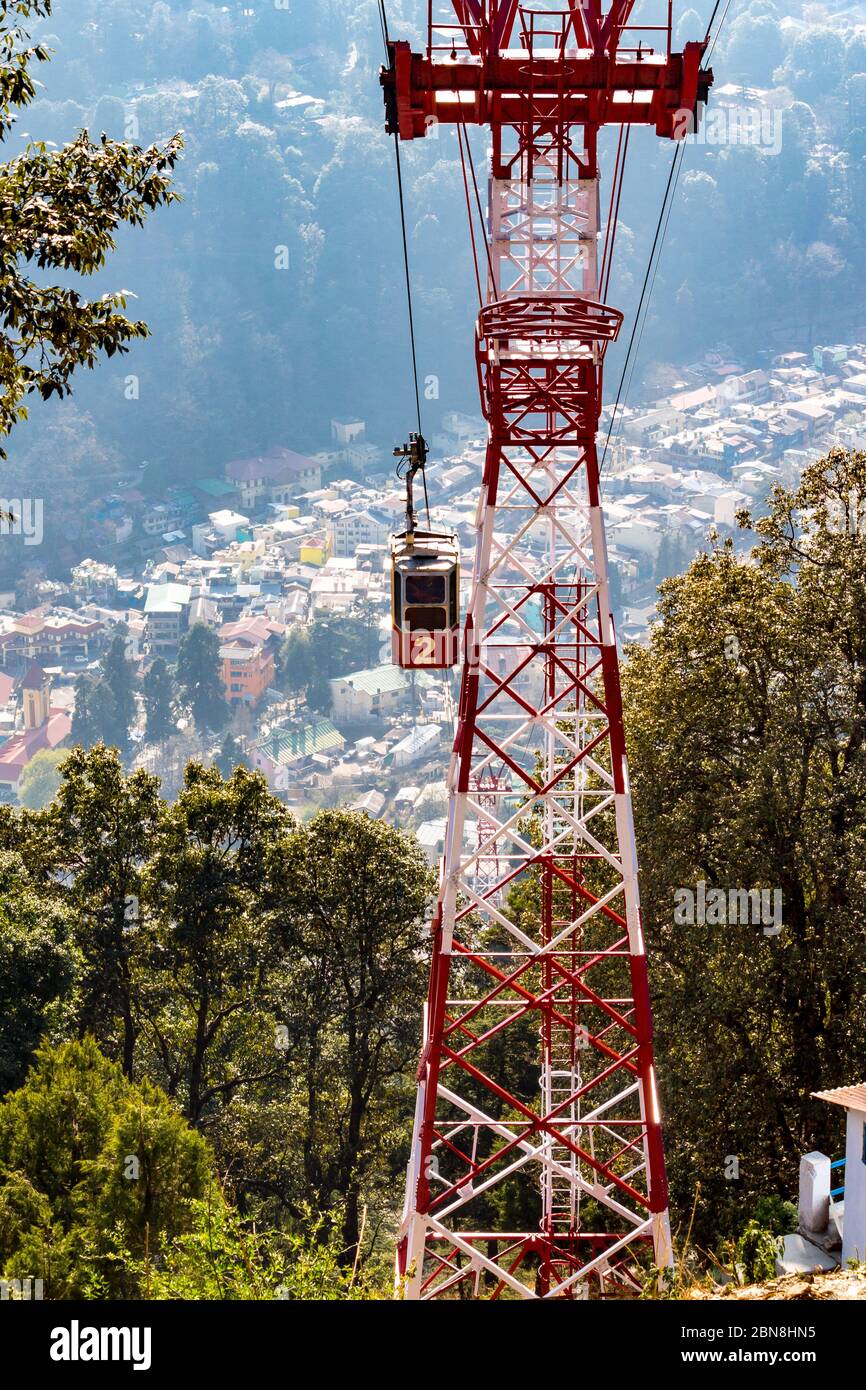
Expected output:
(839, 1283)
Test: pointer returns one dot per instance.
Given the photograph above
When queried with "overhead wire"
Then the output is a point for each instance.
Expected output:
(719, 30)
(639, 323)
(383, 17)
(469, 215)
(613, 212)
(477, 198)
(609, 251)
(646, 280)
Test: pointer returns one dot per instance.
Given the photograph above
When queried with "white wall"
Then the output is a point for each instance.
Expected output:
(854, 1234)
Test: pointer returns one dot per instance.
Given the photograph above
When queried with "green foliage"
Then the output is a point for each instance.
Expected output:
(38, 969)
(100, 829)
(776, 1215)
(94, 718)
(746, 716)
(222, 1260)
(296, 660)
(333, 645)
(118, 675)
(60, 210)
(40, 779)
(267, 977)
(756, 1253)
(319, 693)
(230, 756)
(198, 677)
(84, 1153)
(213, 960)
(158, 691)
(349, 897)
(105, 703)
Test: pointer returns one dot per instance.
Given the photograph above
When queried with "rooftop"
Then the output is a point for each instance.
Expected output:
(288, 745)
(35, 678)
(378, 680)
(852, 1097)
(167, 598)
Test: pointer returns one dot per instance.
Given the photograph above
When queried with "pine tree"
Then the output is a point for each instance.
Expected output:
(158, 690)
(94, 718)
(198, 675)
(319, 694)
(230, 756)
(118, 675)
(94, 1169)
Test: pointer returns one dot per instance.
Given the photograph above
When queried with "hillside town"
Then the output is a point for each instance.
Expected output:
(286, 543)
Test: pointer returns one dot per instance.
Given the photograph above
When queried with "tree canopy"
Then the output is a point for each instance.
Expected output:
(746, 715)
(60, 211)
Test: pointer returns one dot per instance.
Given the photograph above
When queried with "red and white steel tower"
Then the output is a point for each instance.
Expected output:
(537, 1165)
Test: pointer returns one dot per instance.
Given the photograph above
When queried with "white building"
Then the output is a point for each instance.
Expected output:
(352, 528)
(369, 694)
(431, 838)
(853, 1099)
(338, 592)
(418, 744)
(227, 523)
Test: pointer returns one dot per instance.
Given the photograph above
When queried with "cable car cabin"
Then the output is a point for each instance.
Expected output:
(425, 599)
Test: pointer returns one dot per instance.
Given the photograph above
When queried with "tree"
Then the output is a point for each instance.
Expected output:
(349, 896)
(746, 717)
(40, 779)
(94, 717)
(295, 662)
(207, 996)
(754, 47)
(158, 690)
(95, 1173)
(672, 555)
(230, 756)
(319, 694)
(103, 825)
(118, 674)
(333, 645)
(815, 62)
(198, 676)
(38, 969)
(60, 211)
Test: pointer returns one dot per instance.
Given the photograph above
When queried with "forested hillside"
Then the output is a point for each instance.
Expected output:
(210, 1003)
(255, 985)
(275, 288)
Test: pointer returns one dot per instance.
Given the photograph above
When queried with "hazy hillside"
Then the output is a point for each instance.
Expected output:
(763, 242)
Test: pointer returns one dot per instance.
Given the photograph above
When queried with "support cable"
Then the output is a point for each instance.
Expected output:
(652, 283)
(609, 251)
(478, 200)
(613, 213)
(658, 242)
(646, 280)
(469, 215)
(384, 23)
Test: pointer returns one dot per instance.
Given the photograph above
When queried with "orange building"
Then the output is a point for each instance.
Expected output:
(247, 671)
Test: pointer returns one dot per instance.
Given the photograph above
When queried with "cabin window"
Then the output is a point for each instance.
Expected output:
(425, 588)
(425, 619)
(453, 597)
